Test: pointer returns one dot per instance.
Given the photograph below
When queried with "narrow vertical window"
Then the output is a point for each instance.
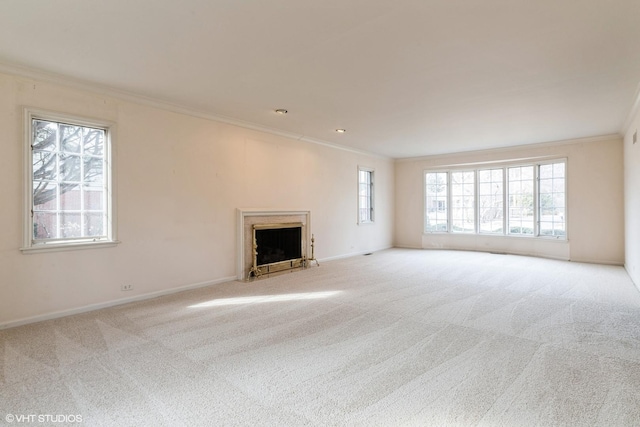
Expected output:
(68, 183)
(436, 202)
(521, 201)
(463, 202)
(551, 178)
(491, 201)
(365, 195)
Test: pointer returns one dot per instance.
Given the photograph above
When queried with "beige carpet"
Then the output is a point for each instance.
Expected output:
(400, 337)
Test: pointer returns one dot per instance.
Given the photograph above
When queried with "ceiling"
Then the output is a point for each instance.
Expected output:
(404, 78)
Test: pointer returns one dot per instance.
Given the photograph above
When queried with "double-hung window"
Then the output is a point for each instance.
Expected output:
(463, 202)
(491, 201)
(436, 202)
(516, 200)
(365, 195)
(68, 182)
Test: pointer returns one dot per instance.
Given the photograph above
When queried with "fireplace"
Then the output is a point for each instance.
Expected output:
(272, 241)
(277, 247)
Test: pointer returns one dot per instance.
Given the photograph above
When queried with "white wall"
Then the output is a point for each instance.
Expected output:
(179, 182)
(632, 200)
(595, 202)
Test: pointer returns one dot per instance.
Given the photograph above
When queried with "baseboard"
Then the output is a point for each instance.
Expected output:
(98, 306)
(349, 255)
(407, 247)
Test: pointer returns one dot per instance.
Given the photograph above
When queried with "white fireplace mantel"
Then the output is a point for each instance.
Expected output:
(246, 217)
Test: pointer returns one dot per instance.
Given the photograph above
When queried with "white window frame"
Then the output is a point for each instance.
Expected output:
(447, 200)
(370, 196)
(30, 245)
(505, 205)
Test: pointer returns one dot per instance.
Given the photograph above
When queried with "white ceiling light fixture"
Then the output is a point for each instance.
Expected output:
(281, 111)
(341, 130)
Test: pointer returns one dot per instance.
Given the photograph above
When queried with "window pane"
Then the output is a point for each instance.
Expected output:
(94, 224)
(44, 165)
(520, 215)
(93, 142)
(70, 168)
(551, 199)
(93, 170)
(45, 135)
(45, 196)
(71, 138)
(70, 197)
(70, 225)
(436, 215)
(45, 225)
(490, 201)
(463, 202)
(93, 198)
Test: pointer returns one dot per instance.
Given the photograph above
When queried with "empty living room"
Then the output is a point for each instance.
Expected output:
(336, 213)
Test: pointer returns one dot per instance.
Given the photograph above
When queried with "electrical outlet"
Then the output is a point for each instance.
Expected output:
(126, 288)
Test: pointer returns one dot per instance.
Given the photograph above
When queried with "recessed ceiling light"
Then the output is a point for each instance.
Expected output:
(281, 111)
(341, 130)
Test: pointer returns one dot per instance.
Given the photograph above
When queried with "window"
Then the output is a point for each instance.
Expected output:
(519, 200)
(463, 202)
(552, 199)
(365, 195)
(68, 182)
(491, 201)
(436, 189)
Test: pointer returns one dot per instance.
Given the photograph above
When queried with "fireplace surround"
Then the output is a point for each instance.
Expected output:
(268, 224)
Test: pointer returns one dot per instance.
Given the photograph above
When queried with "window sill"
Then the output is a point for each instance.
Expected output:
(504, 236)
(59, 247)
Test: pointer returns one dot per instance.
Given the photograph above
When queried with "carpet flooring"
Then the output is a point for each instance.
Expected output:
(400, 337)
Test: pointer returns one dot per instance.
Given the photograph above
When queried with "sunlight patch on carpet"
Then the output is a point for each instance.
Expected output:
(265, 298)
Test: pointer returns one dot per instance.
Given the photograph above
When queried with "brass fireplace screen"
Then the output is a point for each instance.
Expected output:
(278, 247)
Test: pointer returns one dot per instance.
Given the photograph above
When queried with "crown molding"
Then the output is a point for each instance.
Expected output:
(573, 141)
(96, 88)
(633, 112)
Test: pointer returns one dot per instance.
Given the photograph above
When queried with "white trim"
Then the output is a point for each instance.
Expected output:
(98, 306)
(60, 247)
(136, 98)
(372, 187)
(507, 149)
(352, 254)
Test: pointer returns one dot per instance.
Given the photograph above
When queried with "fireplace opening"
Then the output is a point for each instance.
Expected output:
(278, 244)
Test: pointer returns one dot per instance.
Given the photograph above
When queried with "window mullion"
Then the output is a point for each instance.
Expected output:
(505, 200)
(58, 184)
(476, 207)
(536, 200)
(450, 203)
